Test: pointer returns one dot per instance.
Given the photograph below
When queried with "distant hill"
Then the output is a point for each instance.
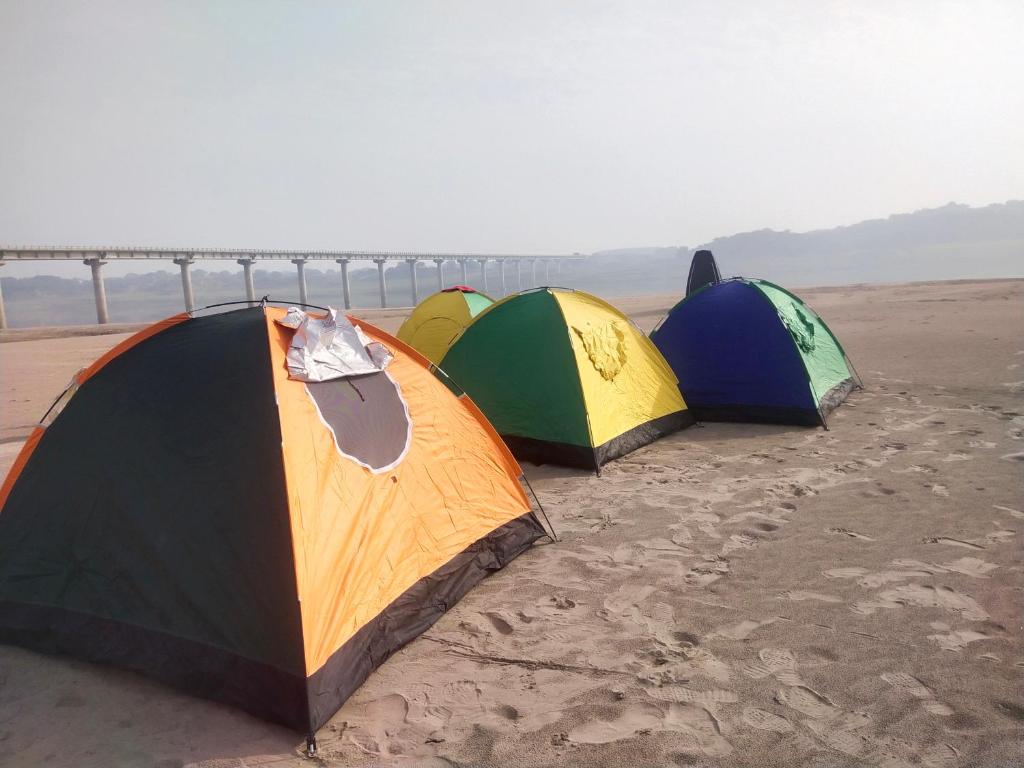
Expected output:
(955, 241)
(952, 242)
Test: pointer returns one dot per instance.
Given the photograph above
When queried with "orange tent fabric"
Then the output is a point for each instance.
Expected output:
(243, 547)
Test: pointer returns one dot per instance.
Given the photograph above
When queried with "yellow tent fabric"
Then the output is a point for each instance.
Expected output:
(626, 381)
(439, 318)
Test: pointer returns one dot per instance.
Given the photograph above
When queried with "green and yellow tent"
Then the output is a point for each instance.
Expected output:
(438, 319)
(566, 378)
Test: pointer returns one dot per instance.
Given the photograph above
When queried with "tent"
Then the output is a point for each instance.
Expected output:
(439, 318)
(748, 350)
(703, 271)
(566, 378)
(193, 513)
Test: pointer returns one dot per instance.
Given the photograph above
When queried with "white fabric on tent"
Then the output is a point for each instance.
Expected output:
(330, 347)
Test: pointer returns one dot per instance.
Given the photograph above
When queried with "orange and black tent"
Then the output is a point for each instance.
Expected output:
(194, 514)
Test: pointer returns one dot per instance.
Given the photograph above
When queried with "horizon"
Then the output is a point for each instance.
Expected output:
(71, 268)
(520, 128)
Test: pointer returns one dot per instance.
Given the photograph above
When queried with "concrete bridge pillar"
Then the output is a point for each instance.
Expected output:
(501, 274)
(547, 276)
(346, 292)
(300, 266)
(519, 274)
(250, 288)
(98, 291)
(483, 274)
(412, 280)
(533, 273)
(185, 262)
(383, 282)
(465, 271)
(440, 273)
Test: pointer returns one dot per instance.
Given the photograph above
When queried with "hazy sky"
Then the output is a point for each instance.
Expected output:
(496, 126)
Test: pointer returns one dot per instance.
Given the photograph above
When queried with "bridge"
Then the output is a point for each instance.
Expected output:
(95, 258)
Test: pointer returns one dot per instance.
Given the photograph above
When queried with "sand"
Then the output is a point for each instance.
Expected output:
(733, 595)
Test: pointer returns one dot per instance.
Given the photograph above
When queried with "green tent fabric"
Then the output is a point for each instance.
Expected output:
(546, 407)
(477, 302)
(821, 352)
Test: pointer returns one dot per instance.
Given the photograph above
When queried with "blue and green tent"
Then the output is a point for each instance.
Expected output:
(748, 350)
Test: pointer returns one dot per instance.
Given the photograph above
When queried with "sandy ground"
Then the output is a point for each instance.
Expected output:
(734, 595)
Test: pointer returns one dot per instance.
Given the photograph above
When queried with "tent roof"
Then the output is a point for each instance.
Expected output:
(439, 318)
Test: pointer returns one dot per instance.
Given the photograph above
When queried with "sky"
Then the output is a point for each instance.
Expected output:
(495, 126)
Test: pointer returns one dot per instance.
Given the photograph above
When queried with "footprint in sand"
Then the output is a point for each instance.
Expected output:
(660, 622)
(971, 566)
(845, 573)
(834, 726)
(461, 691)
(694, 722)
(958, 456)
(875, 580)
(623, 601)
(840, 734)
(384, 719)
(710, 570)
(909, 684)
(1000, 536)
(940, 756)
(682, 695)
(766, 721)
(952, 542)
(633, 720)
(806, 701)
(923, 596)
(968, 566)
(800, 594)
(500, 624)
(848, 532)
(741, 631)
(958, 640)
(922, 468)
(738, 541)
(779, 662)
(681, 535)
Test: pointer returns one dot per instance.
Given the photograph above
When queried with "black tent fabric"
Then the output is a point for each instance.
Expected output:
(89, 565)
(170, 520)
(703, 271)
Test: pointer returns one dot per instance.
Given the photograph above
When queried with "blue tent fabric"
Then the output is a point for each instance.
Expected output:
(735, 359)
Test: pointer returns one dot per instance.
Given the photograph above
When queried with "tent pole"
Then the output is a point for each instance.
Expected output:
(859, 381)
(553, 536)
